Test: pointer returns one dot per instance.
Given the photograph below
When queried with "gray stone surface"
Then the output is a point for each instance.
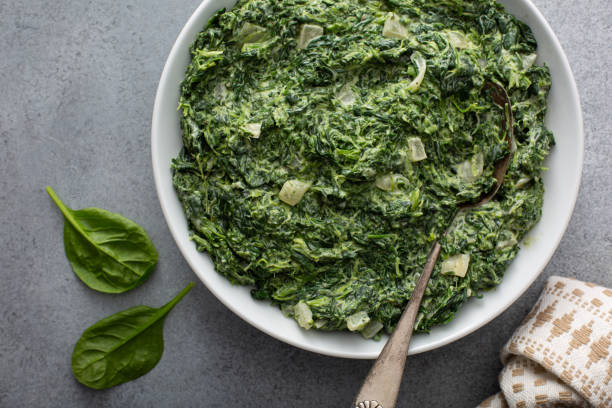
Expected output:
(77, 82)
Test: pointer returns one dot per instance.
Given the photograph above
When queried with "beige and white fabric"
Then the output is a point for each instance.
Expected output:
(561, 354)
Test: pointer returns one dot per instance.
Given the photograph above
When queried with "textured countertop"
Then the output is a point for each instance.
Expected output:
(77, 83)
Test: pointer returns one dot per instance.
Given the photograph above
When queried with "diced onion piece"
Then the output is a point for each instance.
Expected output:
(469, 292)
(320, 323)
(522, 182)
(303, 315)
(464, 171)
(421, 65)
(346, 96)
(529, 60)
(478, 164)
(293, 191)
(308, 33)
(280, 116)
(470, 170)
(506, 243)
(371, 329)
(416, 150)
(456, 264)
(393, 28)
(385, 182)
(252, 33)
(509, 241)
(357, 321)
(457, 39)
(220, 90)
(253, 128)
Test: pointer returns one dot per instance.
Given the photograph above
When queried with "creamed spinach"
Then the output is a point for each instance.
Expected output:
(328, 143)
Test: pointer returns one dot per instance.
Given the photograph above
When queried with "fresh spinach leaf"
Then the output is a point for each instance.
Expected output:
(107, 251)
(123, 346)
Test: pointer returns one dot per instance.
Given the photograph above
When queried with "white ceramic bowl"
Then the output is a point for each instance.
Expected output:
(562, 180)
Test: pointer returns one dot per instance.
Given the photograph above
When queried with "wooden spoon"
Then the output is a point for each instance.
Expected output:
(382, 384)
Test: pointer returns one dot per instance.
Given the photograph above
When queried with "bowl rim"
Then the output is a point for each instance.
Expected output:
(175, 51)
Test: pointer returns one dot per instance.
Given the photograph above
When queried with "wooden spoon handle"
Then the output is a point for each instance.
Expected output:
(382, 384)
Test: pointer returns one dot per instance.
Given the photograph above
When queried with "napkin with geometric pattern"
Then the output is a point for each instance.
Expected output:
(561, 354)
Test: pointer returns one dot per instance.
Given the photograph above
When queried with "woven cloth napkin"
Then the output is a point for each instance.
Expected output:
(561, 354)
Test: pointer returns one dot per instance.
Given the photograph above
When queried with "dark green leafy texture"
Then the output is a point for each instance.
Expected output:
(107, 251)
(123, 346)
(340, 113)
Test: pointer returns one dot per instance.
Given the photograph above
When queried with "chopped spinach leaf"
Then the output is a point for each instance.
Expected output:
(327, 144)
